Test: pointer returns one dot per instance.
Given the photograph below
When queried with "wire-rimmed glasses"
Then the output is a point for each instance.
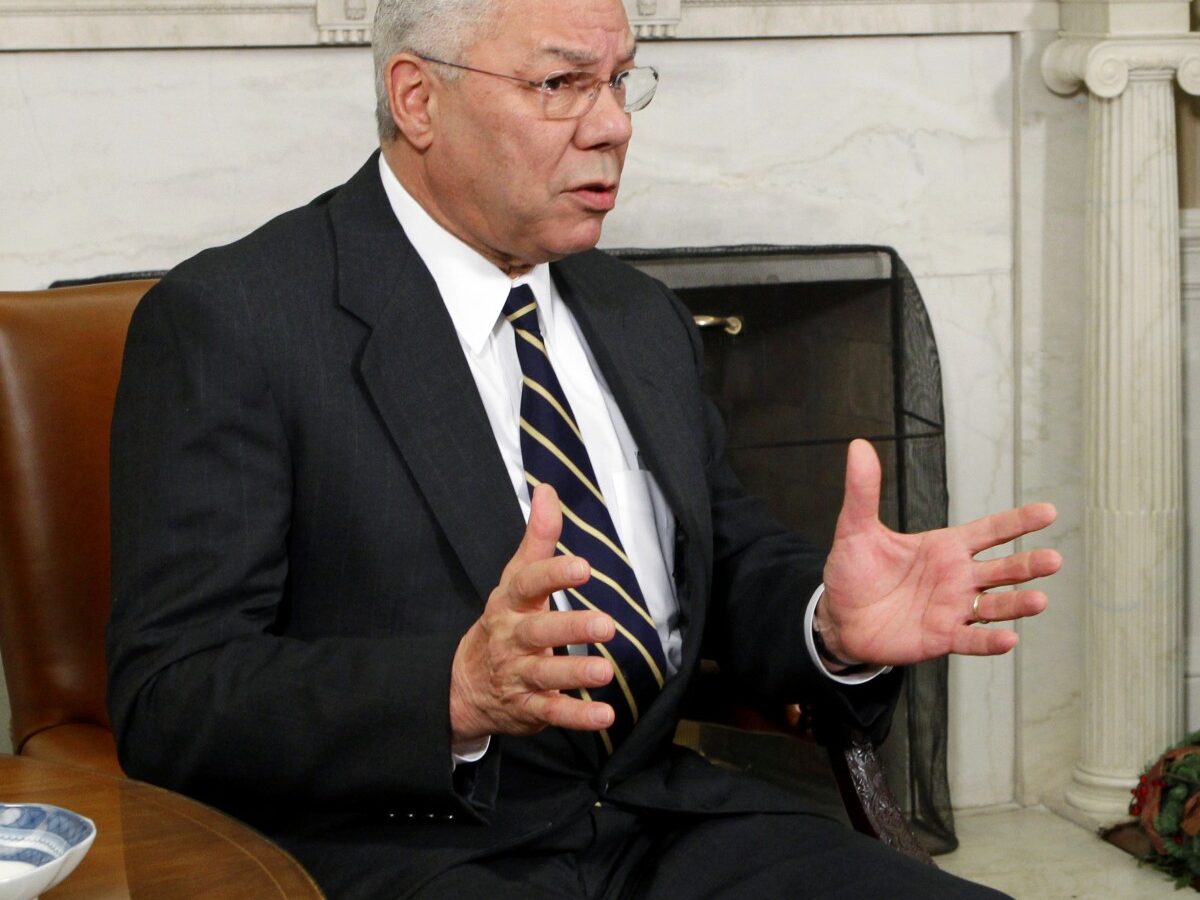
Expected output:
(569, 95)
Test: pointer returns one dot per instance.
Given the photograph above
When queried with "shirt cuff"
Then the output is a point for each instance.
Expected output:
(859, 677)
(472, 752)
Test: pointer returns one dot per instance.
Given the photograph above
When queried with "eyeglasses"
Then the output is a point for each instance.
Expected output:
(570, 95)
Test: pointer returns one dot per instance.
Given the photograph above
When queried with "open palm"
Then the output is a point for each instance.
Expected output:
(895, 599)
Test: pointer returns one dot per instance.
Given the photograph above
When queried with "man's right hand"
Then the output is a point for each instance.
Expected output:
(506, 678)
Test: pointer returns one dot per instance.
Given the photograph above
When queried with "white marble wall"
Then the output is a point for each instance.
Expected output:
(1190, 228)
(127, 160)
(1051, 190)
(973, 321)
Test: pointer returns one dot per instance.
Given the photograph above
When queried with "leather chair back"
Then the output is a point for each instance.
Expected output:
(60, 359)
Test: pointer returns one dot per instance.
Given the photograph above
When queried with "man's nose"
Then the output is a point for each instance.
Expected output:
(606, 124)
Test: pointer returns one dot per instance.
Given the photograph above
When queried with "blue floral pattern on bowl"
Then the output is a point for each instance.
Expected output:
(39, 846)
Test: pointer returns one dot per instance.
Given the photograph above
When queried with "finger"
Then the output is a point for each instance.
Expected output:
(541, 532)
(565, 711)
(558, 629)
(860, 502)
(975, 641)
(1000, 528)
(1005, 606)
(565, 673)
(1018, 568)
(528, 587)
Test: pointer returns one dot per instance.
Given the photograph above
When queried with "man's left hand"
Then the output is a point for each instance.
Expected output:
(896, 599)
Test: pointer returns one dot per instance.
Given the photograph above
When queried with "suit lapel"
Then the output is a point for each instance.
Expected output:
(413, 368)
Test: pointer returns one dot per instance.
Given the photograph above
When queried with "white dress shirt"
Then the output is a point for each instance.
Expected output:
(474, 291)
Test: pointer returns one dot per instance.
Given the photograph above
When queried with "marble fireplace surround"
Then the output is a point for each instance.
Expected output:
(111, 24)
(927, 126)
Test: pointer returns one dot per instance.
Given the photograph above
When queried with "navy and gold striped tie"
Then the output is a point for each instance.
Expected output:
(553, 452)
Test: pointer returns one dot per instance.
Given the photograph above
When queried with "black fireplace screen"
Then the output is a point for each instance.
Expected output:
(807, 348)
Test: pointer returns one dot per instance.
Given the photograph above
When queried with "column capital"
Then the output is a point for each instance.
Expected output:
(1104, 64)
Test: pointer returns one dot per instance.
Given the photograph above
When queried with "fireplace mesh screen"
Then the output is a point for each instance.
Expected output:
(832, 343)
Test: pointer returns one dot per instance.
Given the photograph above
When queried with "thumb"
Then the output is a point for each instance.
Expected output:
(860, 503)
(542, 531)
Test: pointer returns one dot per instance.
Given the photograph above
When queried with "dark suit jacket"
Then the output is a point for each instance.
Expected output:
(309, 510)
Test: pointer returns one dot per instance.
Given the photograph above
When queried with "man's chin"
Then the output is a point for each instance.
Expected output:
(582, 238)
(577, 239)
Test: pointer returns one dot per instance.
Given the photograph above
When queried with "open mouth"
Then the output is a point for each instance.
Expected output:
(597, 195)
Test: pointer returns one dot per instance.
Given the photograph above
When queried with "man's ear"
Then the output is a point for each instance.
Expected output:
(411, 100)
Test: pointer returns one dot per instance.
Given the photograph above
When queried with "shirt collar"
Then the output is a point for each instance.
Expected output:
(472, 288)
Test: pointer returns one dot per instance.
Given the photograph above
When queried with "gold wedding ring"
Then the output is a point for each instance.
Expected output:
(976, 618)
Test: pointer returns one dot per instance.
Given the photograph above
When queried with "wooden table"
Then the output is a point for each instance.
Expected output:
(152, 844)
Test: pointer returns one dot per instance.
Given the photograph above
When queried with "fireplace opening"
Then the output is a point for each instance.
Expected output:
(807, 348)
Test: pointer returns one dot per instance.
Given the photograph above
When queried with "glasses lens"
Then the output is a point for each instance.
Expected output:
(564, 95)
(571, 94)
(637, 88)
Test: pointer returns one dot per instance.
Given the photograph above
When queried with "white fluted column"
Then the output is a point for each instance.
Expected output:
(1132, 454)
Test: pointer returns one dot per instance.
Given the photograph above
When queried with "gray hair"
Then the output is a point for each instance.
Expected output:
(439, 28)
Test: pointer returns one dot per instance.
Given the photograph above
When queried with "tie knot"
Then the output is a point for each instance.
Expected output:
(521, 308)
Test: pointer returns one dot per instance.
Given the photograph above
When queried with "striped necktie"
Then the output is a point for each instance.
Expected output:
(553, 452)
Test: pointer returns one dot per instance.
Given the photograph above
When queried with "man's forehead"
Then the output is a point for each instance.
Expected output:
(577, 33)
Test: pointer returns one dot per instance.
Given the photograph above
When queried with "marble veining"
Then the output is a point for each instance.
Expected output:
(1050, 311)
(972, 318)
(827, 141)
(1034, 855)
(1190, 232)
(138, 160)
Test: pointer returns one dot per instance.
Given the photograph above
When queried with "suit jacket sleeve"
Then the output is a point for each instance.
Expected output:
(207, 693)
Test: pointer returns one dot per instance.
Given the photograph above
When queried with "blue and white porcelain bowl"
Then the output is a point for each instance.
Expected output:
(39, 846)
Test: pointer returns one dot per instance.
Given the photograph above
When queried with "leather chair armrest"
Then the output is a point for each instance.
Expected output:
(76, 744)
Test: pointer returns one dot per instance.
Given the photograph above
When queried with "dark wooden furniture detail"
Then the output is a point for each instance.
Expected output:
(151, 843)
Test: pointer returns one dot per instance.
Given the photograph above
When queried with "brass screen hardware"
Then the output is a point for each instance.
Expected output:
(731, 324)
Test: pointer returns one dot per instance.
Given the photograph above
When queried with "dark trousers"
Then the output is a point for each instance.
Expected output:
(616, 854)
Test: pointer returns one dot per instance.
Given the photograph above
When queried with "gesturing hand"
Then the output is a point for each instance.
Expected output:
(895, 599)
(505, 678)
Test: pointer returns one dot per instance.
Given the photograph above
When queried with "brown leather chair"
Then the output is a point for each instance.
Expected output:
(60, 358)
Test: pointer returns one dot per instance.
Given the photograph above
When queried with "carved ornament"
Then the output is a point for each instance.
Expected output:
(654, 18)
(1105, 65)
(111, 24)
(345, 21)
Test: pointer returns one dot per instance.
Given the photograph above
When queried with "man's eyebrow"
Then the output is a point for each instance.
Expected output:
(582, 58)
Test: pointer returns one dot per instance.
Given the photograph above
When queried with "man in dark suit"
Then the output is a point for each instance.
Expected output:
(343, 596)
